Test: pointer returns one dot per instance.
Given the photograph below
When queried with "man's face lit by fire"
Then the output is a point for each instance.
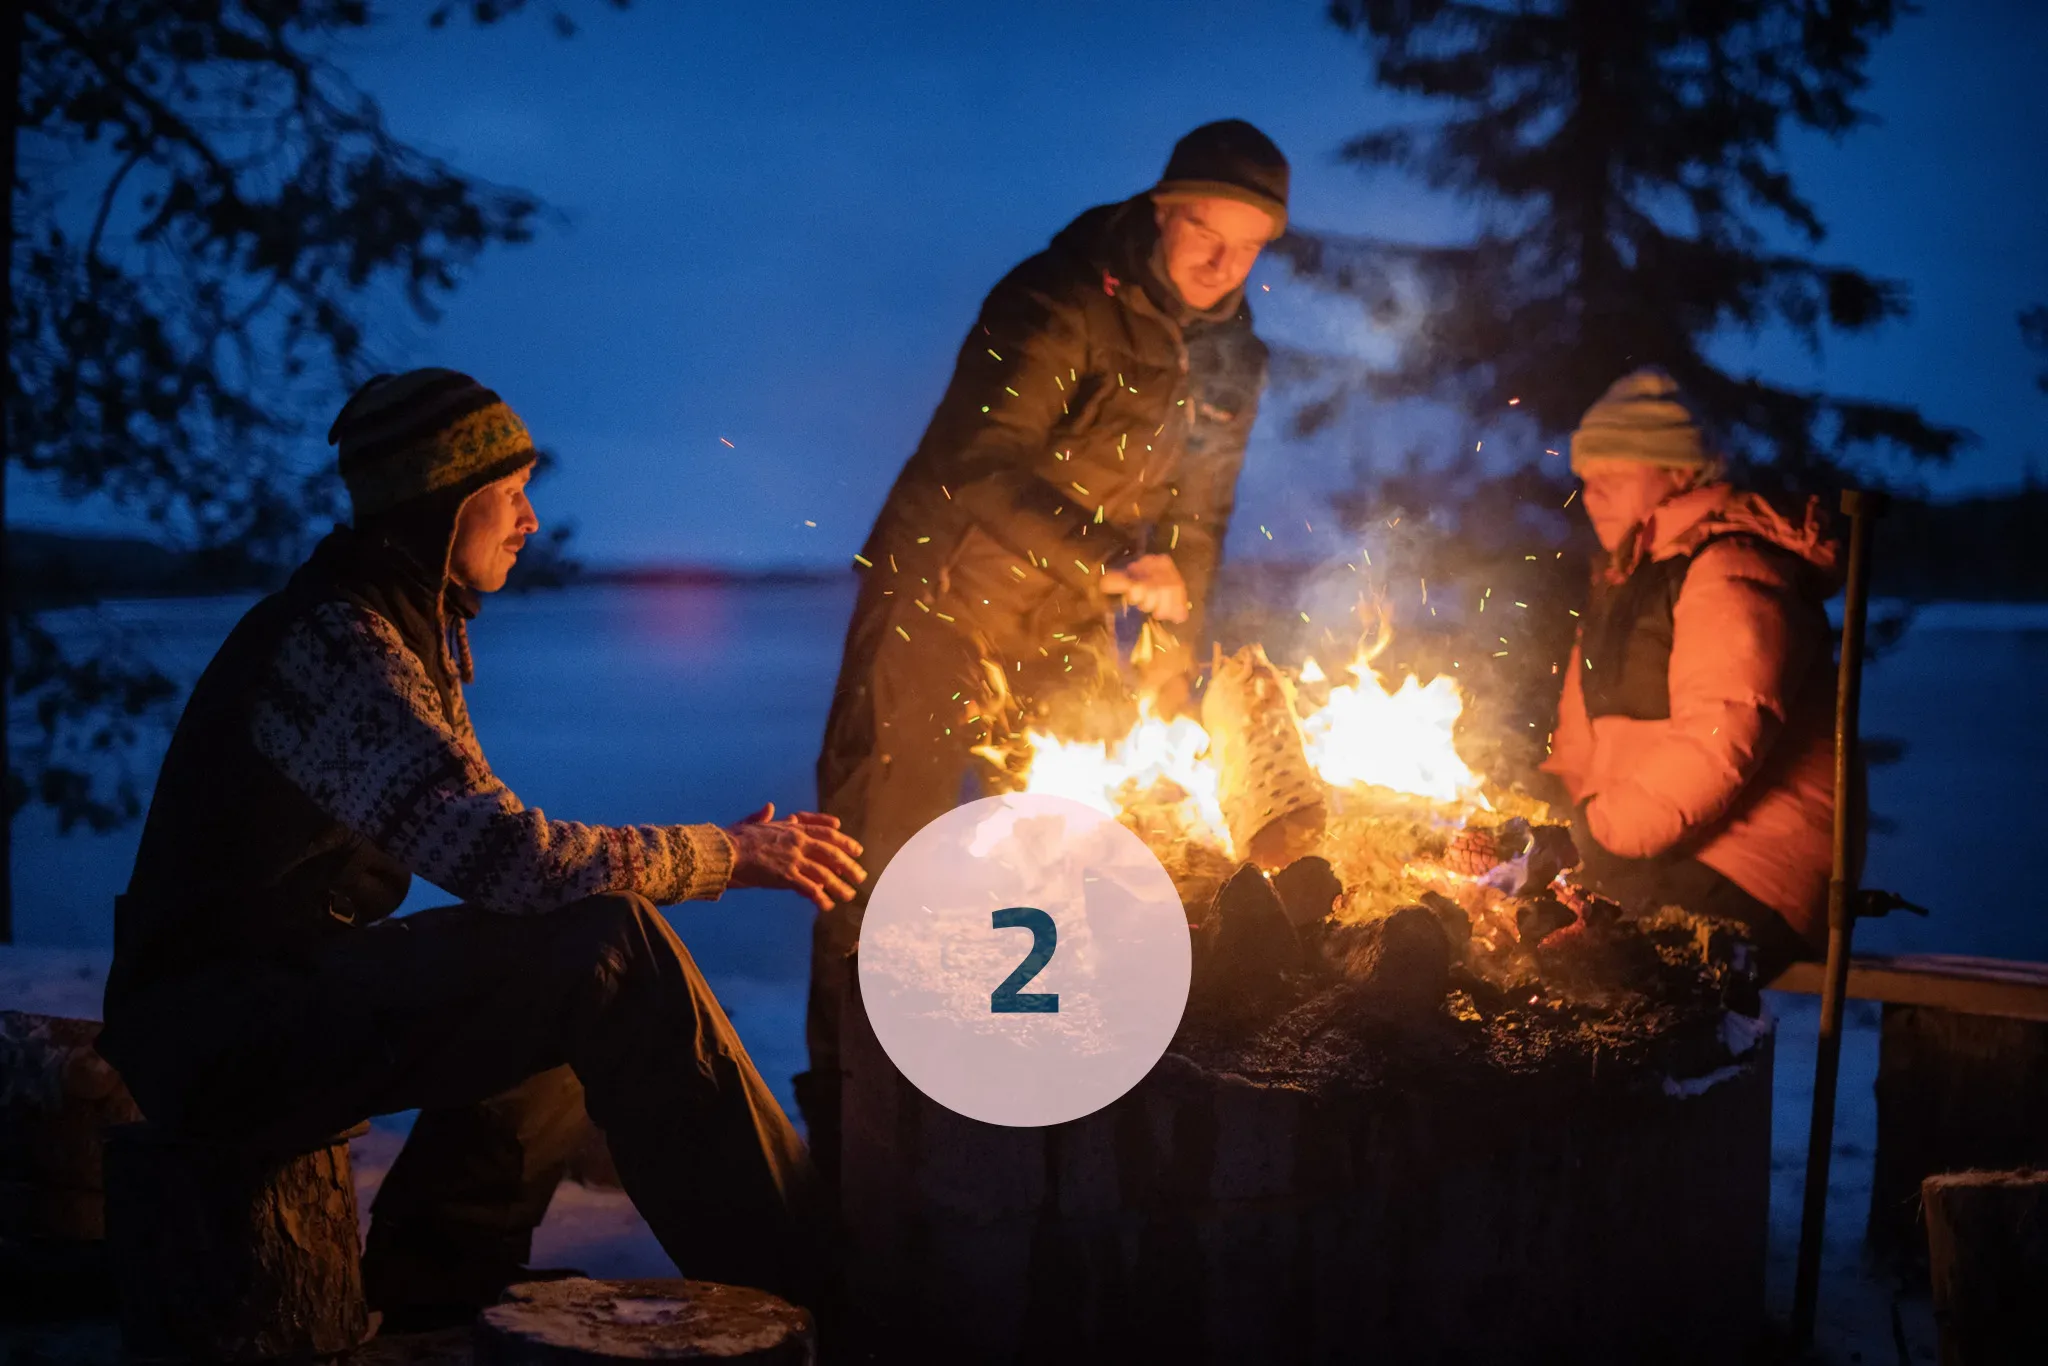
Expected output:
(1210, 245)
(1621, 494)
(491, 530)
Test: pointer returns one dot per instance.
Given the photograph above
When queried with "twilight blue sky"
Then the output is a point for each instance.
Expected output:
(778, 218)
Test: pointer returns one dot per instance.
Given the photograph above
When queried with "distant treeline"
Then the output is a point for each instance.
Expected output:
(56, 569)
(1986, 549)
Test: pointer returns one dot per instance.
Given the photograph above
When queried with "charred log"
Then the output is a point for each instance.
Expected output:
(1452, 919)
(1397, 966)
(1308, 889)
(1538, 917)
(1251, 945)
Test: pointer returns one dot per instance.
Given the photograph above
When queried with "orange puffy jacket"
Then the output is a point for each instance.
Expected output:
(1738, 771)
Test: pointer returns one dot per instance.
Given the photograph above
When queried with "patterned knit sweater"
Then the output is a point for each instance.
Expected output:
(352, 719)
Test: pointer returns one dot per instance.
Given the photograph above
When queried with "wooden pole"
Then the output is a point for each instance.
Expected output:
(1862, 509)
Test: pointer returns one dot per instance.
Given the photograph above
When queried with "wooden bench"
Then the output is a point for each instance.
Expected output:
(1962, 1076)
(1942, 981)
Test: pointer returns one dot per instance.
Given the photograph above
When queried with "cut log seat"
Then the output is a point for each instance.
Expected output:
(1962, 1076)
(56, 1097)
(579, 1322)
(1987, 1236)
(221, 1253)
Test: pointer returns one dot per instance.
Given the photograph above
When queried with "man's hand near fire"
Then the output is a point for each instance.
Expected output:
(803, 852)
(1153, 585)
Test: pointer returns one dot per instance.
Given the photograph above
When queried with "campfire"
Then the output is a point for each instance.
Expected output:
(1430, 1099)
(1345, 868)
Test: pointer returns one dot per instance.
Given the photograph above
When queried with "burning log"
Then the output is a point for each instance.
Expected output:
(1272, 799)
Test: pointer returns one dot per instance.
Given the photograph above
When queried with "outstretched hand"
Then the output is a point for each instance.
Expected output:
(1152, 584)
(803, 852)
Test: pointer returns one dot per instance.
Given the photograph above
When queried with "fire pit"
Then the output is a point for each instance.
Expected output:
(1429, 1101)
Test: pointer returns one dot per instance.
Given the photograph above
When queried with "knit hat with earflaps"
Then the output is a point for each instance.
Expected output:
(1644, 417)
(428, 434)
(1228, 159)
(403, 437)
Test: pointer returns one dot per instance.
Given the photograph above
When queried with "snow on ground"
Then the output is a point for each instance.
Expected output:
(1863, 1316)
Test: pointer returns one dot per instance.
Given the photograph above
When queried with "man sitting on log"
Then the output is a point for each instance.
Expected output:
(260, 995)
(1696, 731)
(1086, 451)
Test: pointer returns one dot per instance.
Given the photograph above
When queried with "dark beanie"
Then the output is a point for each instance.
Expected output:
(1228, 159)
(403, 437)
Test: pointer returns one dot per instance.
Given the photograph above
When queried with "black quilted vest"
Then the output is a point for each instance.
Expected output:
(1626, 642)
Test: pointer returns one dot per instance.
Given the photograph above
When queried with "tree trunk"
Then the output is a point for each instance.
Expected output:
(13, 30)
(582, 1322)
(1955, 1092)
(1987, 1247)
(224, 1255)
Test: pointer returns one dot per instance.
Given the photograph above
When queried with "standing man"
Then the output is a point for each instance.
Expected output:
(260, 989)
(1086, 452)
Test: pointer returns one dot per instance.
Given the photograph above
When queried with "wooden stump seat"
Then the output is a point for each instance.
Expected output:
(1987, 1244)
(221, 1253)
(57, 1095)
(581, 1322)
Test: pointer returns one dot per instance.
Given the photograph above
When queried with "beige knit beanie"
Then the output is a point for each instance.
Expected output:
(1644, 417)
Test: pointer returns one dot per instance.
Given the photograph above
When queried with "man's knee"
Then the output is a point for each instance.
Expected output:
(616, 935)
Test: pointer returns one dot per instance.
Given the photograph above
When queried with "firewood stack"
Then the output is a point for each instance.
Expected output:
(1271, 798)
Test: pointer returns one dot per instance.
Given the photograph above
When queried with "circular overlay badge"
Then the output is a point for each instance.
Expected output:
(1024, 960)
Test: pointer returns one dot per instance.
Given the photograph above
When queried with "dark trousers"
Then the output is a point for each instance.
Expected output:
(1676, 880)
(502, 1031)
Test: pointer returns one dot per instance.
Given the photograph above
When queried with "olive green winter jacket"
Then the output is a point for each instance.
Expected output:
(1091, 418)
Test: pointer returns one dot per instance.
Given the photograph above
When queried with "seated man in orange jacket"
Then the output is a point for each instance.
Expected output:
(1695, 734)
